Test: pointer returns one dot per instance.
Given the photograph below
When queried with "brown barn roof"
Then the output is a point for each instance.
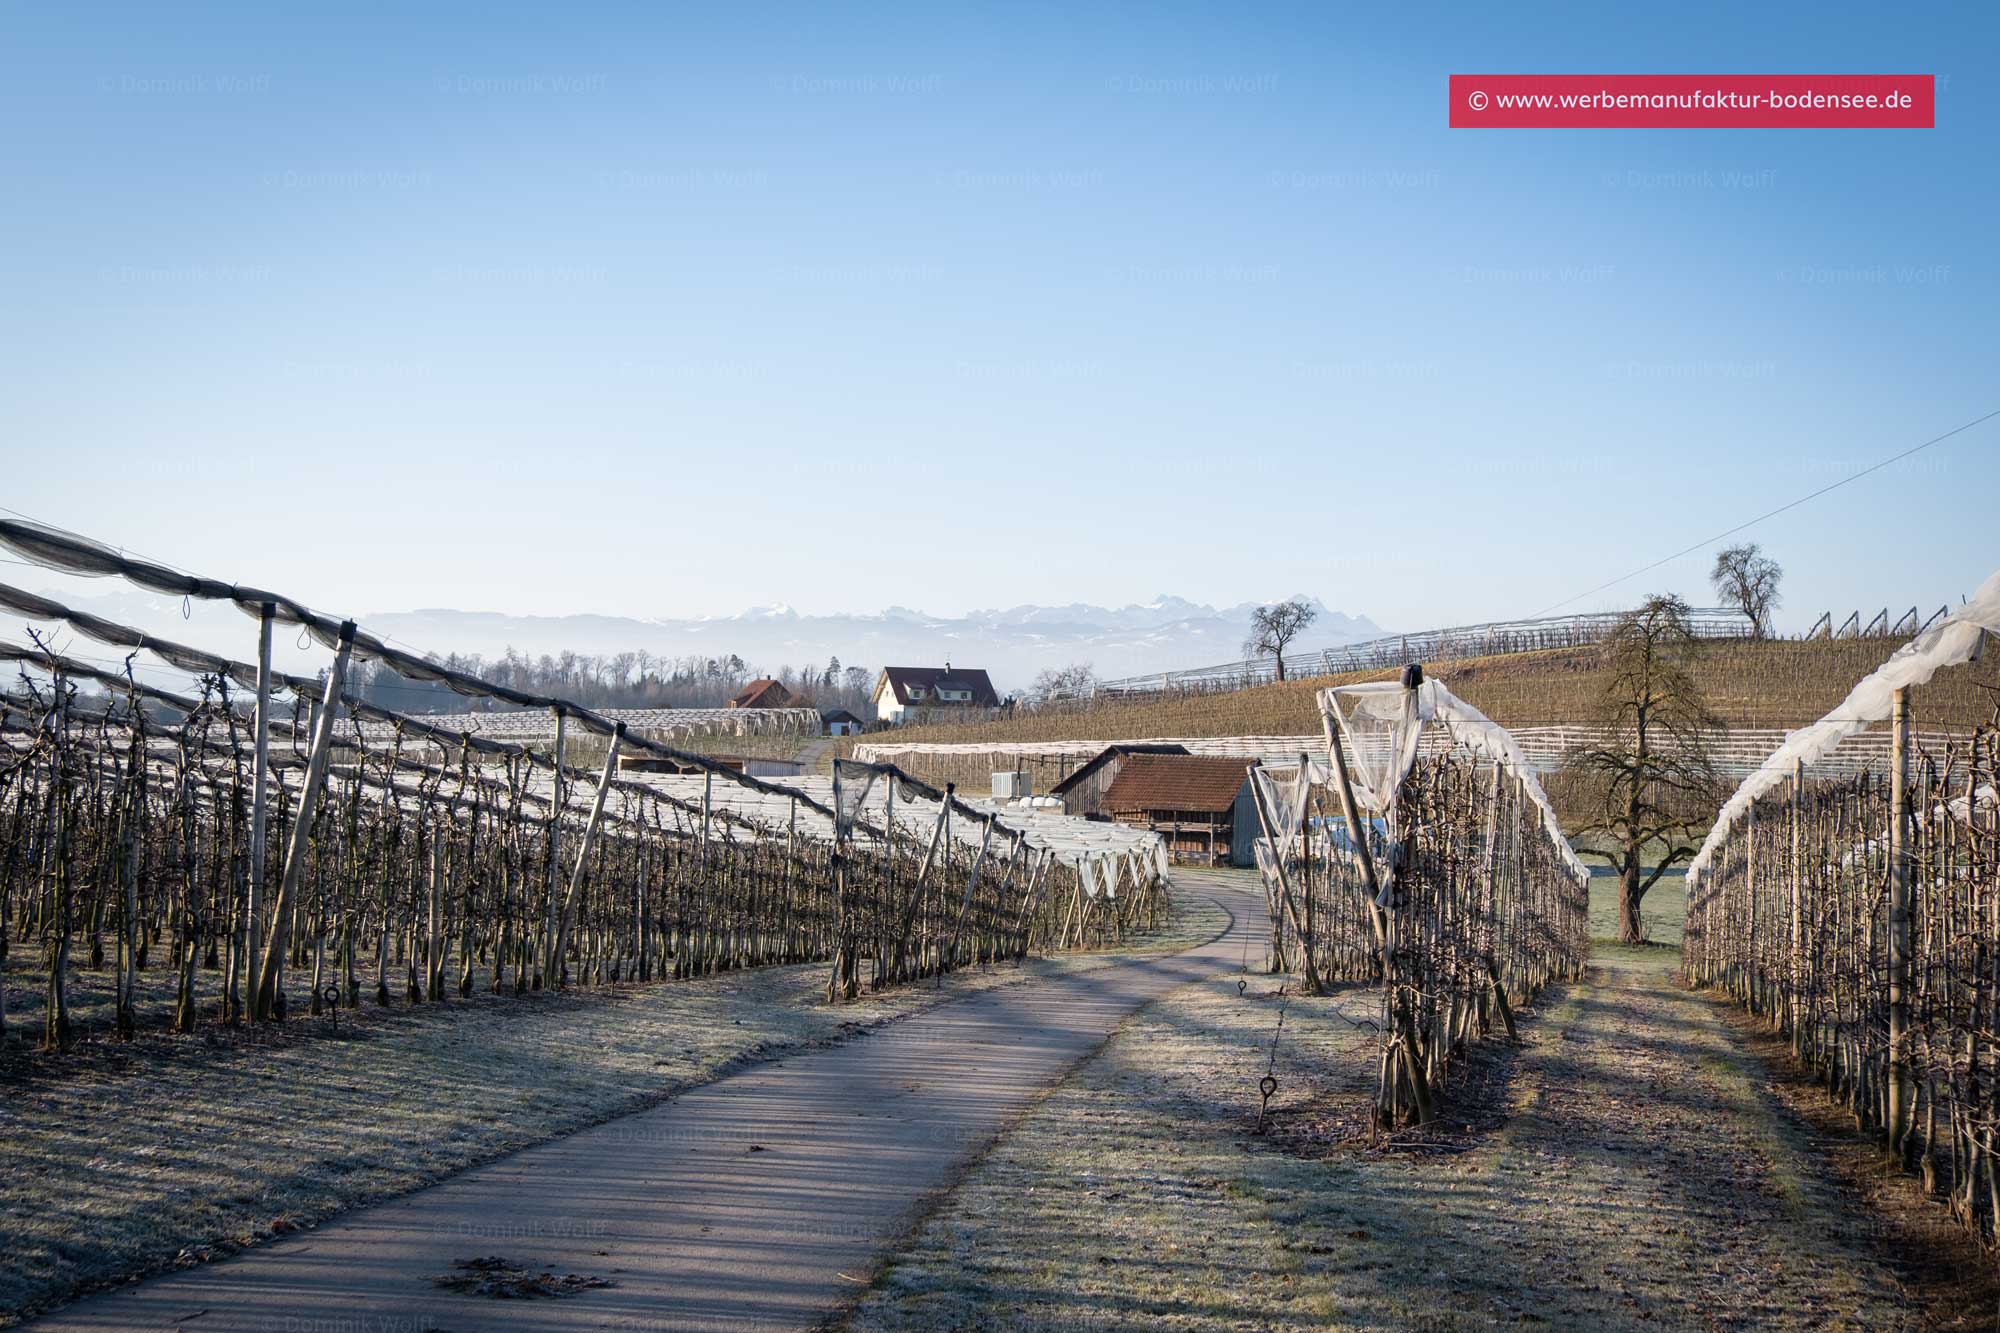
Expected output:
(764, 694)
(1106, 755)
(1175, 782)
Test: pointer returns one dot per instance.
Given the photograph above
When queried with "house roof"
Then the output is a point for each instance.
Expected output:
(933, 679)
(765, 693)
(832, 715)
(1106, 755)
(1176, 782)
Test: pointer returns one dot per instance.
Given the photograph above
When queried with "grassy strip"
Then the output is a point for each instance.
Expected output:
(1641, 1179)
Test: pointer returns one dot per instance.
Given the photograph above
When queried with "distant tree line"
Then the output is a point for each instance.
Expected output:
(616, 680)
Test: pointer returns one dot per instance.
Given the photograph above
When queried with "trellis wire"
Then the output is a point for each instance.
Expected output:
(438, 861)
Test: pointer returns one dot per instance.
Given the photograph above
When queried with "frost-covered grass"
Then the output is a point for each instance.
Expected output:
(117, 1160)
(1628, 1169)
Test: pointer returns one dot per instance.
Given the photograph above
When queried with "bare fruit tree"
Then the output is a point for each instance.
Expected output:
(1653, 778)
(1272, 629)
(1076, 681)
(1745, 578)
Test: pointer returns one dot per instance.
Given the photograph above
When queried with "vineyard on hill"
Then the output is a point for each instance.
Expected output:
(1749, 683)
(1752, 685)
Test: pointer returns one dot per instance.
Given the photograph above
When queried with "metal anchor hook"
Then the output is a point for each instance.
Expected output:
(1242, 986)
(329, 995)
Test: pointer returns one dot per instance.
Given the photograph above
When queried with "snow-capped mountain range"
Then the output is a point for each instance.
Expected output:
(1012, 644)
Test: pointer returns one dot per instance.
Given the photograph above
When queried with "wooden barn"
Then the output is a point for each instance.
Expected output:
(1082, 792)
(765, 693)
(1201, 804)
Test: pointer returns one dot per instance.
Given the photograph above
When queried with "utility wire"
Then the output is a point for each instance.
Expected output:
(1709, 541)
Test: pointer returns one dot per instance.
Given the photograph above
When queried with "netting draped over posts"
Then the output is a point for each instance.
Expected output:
(416, 843)
(1857, 908)
(1420, 854)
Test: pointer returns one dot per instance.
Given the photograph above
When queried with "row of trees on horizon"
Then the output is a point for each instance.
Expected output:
(617, 680)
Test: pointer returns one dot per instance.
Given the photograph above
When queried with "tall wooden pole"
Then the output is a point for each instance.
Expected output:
(1899, 921)
(1798, 941)
(260, 800)
(552, 889)
(552, 965)
(1307, 966)
(302, 821)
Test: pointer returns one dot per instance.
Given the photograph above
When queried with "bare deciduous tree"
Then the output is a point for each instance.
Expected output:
(1745, 578)
(1272, 629)
(1078, 679)
(1654, 768)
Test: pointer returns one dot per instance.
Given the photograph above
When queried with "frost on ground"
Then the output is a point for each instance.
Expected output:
(1640, 1176)
(117, 1160)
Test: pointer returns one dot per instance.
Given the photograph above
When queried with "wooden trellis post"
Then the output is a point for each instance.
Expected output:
(1306, 963)
(552, 965)
(1797, 979)
(971, 887)
(552, 886)
(302, 820)
(260, 799)
(1899, 920)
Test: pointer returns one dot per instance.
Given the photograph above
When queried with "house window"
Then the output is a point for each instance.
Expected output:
(916, 691)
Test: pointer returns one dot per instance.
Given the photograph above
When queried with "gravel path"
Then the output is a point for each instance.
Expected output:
(764, 1200)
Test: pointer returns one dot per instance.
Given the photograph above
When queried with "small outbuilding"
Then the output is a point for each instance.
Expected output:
(1082, 791)
(1200, 804)
(840, 722)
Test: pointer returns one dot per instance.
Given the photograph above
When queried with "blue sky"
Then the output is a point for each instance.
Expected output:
(659, 311)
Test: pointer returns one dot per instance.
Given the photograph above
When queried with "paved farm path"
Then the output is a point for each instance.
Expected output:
(763, 1200)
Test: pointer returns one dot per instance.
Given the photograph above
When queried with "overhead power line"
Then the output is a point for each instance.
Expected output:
(1751, 523)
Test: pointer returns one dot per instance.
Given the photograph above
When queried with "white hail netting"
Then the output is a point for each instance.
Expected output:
(66, 551)
(1383, 723)
(852, 785)
(1285, 793)
(1953, 640)
(1737, 751)
(761, 802)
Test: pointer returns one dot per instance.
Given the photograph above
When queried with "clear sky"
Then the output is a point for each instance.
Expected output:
(658, 310)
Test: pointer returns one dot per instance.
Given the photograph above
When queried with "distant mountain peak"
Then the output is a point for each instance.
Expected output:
(1012, 644)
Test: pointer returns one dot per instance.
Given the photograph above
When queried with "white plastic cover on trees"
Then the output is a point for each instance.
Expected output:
(1951, 641)
(1382, 723)
(1285, 791)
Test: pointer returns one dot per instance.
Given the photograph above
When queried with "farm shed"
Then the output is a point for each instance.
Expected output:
(1082, 792)
(1201, 805)
(840, 722)
(764, 693)
(905, 694)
